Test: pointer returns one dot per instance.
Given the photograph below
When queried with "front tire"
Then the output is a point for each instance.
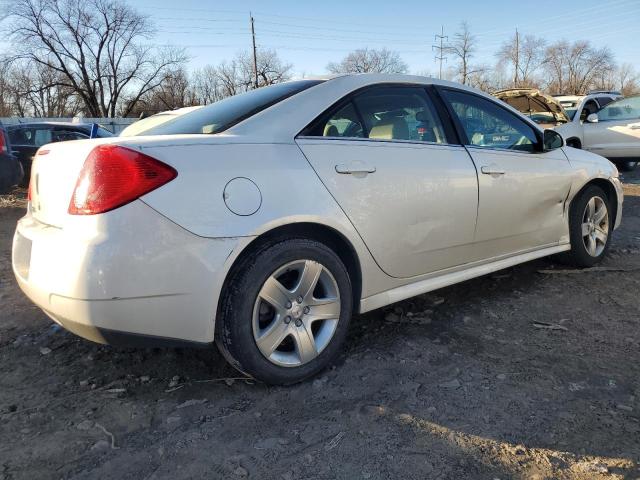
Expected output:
(590, 227)
(285, 311)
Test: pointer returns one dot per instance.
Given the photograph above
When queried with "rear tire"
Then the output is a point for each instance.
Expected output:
(590, 227)
(287, 339)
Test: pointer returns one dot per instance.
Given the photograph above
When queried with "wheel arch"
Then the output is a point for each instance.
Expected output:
(608, 188)
(574, 142)
(322, 233)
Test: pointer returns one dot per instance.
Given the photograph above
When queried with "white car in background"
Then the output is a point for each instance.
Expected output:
(264, 221)
(613, 132)
(617, 138)
(137, 128)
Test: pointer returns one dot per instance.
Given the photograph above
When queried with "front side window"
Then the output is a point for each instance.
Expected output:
(383, 113)
(625, 109)
(589, 107)
(488, 125)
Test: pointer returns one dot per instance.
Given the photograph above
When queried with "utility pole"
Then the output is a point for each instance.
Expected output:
(440, 49)
(255, 54)
(517, 65)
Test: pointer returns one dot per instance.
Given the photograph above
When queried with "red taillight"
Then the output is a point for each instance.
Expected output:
(29, 192)
(113, 176)
(3, 143)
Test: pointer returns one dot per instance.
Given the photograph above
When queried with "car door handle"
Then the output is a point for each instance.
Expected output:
(492, 170)
(355, 169)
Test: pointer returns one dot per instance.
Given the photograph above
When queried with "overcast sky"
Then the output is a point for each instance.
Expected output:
(309, 34)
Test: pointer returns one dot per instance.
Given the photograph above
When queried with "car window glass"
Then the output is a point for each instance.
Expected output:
(65, 135)
(223, 114)
(489, 125)
(399, 113)
(604, 101)
(42, 136)
(343, 123)
(21, 136)
(589, 107)
(625, 109)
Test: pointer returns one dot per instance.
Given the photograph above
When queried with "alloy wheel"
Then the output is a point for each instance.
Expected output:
(595, 226)
(296, 313)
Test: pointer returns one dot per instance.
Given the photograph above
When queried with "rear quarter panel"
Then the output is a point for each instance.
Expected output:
(289, 188)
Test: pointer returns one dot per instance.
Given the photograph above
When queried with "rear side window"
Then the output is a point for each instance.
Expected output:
(219, 116)
(488, 125)
(383, 113)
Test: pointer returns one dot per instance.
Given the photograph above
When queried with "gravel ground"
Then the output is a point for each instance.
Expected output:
(460, 383)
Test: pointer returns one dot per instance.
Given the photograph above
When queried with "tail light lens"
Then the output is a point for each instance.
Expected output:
(3, 143)
(113, 176)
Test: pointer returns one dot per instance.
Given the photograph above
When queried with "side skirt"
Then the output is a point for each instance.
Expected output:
(444, 280)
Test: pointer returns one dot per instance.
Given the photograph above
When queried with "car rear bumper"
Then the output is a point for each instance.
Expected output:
(128, 277)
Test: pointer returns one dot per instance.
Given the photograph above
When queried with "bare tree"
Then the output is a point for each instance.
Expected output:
(628, 80)
(524, 55)
(367, 60)
(96, 46)
(462, 48)
(175, 91)
(206, 85)
(271, 69)
(574, 68)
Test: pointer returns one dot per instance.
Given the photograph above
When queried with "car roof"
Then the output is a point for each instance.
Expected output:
(284, 120)
(50, 124)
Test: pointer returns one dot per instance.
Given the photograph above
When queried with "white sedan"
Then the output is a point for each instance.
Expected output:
(264, 221)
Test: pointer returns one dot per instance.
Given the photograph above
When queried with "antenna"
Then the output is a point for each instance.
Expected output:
(440, 49)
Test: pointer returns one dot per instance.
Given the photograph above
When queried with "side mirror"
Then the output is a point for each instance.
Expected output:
(552, 140)
(592, 118)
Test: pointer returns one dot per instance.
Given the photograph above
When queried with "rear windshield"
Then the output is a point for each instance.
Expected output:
(219, 116)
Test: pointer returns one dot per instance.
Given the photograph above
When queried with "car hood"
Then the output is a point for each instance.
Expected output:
(603, 166)
(530, 101)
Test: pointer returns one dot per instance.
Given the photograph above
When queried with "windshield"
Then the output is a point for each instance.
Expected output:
(219, 116)
(571, 112)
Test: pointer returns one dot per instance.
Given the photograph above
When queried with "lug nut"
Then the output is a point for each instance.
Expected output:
(306, 309)
(287, 319)
(298, 322)
(300, 299)
(288, 305)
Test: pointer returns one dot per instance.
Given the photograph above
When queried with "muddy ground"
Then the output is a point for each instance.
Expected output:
(461, 383)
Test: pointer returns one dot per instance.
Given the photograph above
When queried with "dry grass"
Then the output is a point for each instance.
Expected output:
(15, 199)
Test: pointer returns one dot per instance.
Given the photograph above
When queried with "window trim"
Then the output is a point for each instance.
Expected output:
(539, 146)
(449, 131)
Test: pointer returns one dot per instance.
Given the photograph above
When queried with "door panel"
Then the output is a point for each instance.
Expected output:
(413, 204)
(523, 207)
(522, 191)
(617, 133)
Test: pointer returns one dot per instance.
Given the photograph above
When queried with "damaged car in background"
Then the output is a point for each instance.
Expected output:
(602, 122)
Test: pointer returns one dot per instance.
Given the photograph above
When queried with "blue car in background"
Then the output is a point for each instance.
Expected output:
(26, 138)
(11, 171)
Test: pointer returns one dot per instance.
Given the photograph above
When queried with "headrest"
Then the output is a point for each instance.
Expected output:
(390, 129)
